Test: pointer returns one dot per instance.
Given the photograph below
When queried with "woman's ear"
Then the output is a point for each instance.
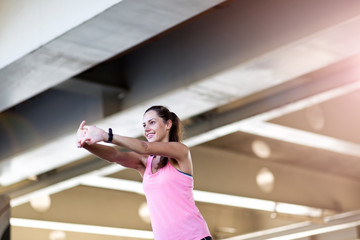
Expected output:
(168, 125)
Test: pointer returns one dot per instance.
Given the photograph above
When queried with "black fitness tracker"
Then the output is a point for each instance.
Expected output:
(110, 134)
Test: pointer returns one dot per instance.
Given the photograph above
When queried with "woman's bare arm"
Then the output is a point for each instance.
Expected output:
(175, 150)
(108, 153)
(126, 159)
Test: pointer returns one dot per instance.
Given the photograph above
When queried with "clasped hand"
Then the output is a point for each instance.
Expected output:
(89, 135)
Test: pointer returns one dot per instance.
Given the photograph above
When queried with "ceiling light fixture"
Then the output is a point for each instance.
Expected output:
(261, 149)
(315, 117)
(265, 180)
(57, 235)
(144, 212)
(40, 203)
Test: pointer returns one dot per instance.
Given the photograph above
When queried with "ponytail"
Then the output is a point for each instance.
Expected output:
(175, 133)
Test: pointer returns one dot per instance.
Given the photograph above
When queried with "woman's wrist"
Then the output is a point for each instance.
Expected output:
(104, 136)
(110, 136)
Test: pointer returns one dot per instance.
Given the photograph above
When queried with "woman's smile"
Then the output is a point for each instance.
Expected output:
(150, 135)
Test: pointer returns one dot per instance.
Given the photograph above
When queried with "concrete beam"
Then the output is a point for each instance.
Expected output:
(111, 32)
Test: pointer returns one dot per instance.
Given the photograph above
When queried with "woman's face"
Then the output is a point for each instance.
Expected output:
(155, 130)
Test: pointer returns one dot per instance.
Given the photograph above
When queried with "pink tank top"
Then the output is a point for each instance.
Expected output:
(173, 212)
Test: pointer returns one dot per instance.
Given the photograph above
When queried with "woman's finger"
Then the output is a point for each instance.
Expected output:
(82, 124)
(83, 140)
(89, 141)
(78, 143)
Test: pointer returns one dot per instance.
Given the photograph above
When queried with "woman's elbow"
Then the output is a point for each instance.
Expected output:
(145, 148)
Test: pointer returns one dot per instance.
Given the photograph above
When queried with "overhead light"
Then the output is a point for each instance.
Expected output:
(144, 212)
(40, 203)
(315, 117)
(226, 230)
(116, 184)
(265, 180)
(298, 210)
(57, 235)
(257, 204)
(261, 149)
(81, 228)
(234, 201)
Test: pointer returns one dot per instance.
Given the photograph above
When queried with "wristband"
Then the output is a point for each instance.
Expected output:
(110, 134)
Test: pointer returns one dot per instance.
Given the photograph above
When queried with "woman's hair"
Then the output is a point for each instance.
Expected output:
(176, 129)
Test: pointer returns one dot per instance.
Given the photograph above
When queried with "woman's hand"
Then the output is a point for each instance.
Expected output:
(90, 135)
(93, 135)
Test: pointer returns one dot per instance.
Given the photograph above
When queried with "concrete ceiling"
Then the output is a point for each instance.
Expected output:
(266, 87)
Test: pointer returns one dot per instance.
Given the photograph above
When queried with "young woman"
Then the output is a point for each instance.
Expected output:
(166, 167)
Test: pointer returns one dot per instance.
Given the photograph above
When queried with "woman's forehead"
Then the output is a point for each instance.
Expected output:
(150, 115)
